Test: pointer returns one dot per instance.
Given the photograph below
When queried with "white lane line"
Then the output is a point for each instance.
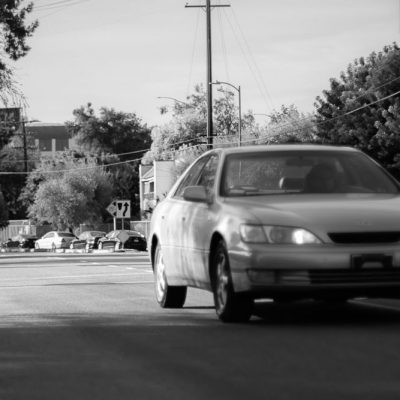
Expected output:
(66, 277)
(88, 283)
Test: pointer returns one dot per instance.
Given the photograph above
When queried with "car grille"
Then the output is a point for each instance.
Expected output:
(368, 275)
(364, 237)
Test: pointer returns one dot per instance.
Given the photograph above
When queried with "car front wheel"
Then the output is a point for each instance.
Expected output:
(167, 296)
(229, 306)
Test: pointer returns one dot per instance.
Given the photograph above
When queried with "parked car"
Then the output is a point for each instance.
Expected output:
(283, 222)
(87, 240)
(55, 240)
(21, 241)
(123, 239)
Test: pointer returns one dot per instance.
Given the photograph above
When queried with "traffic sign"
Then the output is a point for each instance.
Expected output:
(112, 208)
(120, 208)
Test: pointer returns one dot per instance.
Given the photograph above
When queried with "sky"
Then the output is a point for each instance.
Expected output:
(124, 54)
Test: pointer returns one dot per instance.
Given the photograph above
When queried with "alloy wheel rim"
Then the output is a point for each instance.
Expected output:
(161, 281)
(222, 282)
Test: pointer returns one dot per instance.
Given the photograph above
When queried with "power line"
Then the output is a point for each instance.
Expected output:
(58, 4)
(202, 144)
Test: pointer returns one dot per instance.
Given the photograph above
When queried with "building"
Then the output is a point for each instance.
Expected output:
(155, 182)
(49, 138)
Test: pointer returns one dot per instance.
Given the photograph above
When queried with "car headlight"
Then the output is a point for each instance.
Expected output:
(252, 233)
(289, 235)
(277, 235)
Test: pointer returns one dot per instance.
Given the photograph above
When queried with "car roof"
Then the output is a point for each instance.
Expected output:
(281, 147)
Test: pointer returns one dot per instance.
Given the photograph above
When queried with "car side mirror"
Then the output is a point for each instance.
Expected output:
(195, 193)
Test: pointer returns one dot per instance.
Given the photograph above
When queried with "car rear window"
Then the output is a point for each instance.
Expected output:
(96, 233)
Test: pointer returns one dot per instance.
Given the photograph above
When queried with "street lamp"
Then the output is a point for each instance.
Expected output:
(240, 106)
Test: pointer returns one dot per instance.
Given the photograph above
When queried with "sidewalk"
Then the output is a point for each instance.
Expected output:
(70, 252)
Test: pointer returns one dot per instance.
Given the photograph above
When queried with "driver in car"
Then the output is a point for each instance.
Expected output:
(323, 178)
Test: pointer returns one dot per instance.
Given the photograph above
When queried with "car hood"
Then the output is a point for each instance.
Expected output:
(334, 213)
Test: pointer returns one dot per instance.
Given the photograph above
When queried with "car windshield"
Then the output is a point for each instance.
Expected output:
(302, 172)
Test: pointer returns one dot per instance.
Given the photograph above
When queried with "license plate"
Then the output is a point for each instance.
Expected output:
(364, 261)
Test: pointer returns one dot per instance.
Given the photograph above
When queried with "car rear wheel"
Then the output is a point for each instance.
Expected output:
(167, 296)
(229, 306)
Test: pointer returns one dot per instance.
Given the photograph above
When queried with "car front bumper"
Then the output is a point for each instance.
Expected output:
(316, 270)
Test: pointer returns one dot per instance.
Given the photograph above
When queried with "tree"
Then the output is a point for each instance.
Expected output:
(288, 125)
(121, 138)
(114, 132)
(13, 36)
(67, 191)
(12, 163)
(14, 30)
(361, 108)
(188, 126)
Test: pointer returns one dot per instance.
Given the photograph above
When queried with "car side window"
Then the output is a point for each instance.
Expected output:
(207, 177)
(191, 177)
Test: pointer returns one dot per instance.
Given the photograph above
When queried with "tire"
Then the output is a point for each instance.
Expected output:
(166, 296)
(229, 306)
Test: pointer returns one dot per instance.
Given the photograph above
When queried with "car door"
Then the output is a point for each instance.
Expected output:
(174, 216)
(47, 240)
(198, 227)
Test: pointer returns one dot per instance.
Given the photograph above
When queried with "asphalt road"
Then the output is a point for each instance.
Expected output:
(88, 327)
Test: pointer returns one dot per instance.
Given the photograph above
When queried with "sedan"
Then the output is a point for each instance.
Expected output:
(21, 241)
(55, 240)
(87, 240)
(282, 222)
(123, 239)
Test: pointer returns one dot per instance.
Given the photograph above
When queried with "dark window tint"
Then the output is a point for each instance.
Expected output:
(302, 172)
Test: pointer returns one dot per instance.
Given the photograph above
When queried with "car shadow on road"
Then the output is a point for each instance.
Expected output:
(326, 313)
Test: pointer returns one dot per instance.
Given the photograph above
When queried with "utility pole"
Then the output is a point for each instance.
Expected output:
(25, 145)
(208, 7)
